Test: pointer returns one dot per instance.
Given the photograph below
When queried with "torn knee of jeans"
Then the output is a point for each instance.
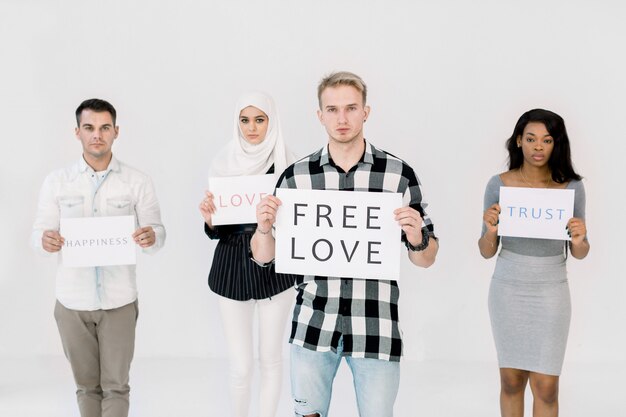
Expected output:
(300, 402)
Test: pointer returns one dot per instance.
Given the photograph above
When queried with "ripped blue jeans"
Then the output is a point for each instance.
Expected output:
(312, 373)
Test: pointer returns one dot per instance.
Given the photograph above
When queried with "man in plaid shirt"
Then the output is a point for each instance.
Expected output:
(337, 317)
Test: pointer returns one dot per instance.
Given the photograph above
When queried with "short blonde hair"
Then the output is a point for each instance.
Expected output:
(341, 78)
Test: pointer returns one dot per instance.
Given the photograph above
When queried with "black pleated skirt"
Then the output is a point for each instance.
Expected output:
(234, 275)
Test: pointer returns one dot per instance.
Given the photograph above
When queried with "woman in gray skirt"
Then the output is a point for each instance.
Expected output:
(529, 300)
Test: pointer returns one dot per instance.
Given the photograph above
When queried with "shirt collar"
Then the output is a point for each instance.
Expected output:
(366, 158)
(114, 165)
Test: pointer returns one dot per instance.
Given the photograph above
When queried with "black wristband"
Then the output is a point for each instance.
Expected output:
(422, 245)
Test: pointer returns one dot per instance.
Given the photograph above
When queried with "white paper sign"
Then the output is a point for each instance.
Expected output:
(338, 233)
(535, 212)
(236, 197)
(98, 241)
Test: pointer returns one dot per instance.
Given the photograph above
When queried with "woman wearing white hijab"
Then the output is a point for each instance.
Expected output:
(257, 148)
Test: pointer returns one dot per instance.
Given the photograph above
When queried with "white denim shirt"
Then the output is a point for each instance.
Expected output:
(79, 191)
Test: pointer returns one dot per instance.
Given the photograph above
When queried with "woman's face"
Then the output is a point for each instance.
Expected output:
(253, 124)
(537, 144)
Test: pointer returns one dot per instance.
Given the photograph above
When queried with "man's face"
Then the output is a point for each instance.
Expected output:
(343, 113)
(96, 133)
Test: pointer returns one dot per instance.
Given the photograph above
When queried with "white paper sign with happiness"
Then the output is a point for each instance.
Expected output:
(98, 241)
(346, 234)
(535, 212)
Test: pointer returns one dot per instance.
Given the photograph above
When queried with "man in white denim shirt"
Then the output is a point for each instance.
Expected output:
(96, 308)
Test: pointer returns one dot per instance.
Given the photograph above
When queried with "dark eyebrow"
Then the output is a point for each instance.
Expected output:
(544, 136)
(90, 125)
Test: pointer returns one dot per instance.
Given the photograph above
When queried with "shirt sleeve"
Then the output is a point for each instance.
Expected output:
(491, 197)
(286, 179)
(48, 214)
(413, 196)
(212, 233)
(149, 214)
(579, 200)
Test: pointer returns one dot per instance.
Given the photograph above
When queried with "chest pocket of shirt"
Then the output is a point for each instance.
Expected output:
(119, 206)
(71, 206)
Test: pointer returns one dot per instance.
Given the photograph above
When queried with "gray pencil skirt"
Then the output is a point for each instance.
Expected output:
(530, 310)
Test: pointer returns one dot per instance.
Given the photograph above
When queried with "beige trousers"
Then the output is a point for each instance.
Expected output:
(99, 346)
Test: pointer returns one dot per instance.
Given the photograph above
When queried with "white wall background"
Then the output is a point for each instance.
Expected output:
(447, 81)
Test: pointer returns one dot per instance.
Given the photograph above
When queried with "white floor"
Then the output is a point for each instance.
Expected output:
(175, 387)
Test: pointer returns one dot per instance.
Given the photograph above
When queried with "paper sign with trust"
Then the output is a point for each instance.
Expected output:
(98, 241)
(535, 212)
(338, 233)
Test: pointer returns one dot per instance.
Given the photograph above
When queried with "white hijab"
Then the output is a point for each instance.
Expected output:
(239, 157)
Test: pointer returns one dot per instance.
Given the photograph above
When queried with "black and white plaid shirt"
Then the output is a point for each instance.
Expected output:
(363, 311)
